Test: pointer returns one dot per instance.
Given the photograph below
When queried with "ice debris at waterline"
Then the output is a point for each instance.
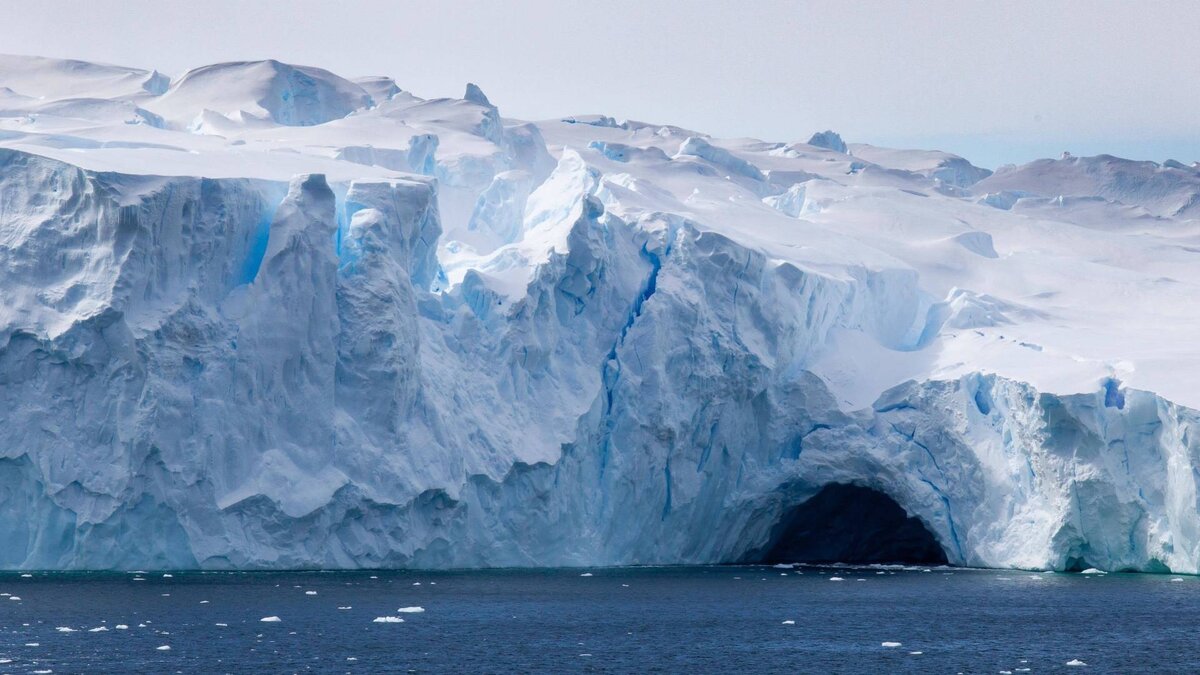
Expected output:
(281, 318)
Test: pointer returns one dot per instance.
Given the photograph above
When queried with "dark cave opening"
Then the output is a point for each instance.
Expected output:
(850, 524)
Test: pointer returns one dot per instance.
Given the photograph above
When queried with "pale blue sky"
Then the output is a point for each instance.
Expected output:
(997, 82)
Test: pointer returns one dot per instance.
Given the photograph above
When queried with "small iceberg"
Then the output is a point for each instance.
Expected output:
(164, 648)
(836, 579)
(789, 622)
(387, 619)
(889, 645)
(1076, 662)
(411, 610)
(270, 619)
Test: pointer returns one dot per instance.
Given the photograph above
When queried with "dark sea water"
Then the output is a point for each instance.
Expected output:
(669, 620)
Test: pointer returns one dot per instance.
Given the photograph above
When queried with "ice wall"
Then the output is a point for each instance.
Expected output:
(174, 394)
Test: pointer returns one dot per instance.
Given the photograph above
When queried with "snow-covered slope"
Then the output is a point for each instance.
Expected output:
(265, 316)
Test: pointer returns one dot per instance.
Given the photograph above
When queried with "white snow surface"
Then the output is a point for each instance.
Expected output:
(263, 316)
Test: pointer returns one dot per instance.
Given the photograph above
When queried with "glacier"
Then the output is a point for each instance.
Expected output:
(263, 316)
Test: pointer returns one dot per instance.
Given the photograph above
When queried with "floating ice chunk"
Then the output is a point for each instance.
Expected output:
(789, 622)
(784, 566)
(889, 645)
(411, 610)
(26, 576)
(65, 629)
(204, 602)
(221, 625)
(33, 644)
(836, 579)
(164, 648)
(346, 607)
(586, 574)
(1092, 570)
(98, 629)
(47, 671)
(1177, 579)
(168, 576)
(351, 658)
(416, 583)
(121, 626)
(13, 597)
(310, 592)
(387, 619)
(1076, 662)
(917, 653)
(270, 619)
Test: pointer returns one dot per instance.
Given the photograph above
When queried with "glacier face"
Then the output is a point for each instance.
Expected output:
(264, 316)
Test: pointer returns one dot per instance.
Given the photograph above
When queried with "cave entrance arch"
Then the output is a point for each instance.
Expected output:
(850, 524)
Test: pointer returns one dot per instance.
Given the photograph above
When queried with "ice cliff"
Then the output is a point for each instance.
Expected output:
(262, 316)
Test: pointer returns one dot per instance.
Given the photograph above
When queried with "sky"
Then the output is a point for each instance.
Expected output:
(997, 82)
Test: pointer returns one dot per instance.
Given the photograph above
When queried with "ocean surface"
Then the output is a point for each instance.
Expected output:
(629, 620)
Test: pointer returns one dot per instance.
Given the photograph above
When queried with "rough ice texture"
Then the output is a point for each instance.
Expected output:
(269, 317)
